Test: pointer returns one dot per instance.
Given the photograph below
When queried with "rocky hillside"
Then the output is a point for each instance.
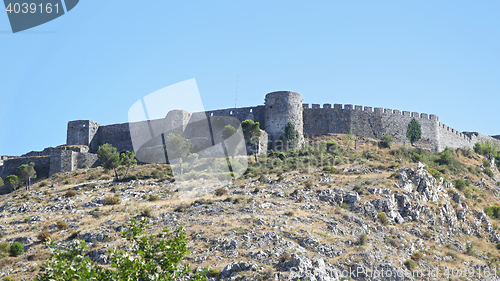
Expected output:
(372, 214)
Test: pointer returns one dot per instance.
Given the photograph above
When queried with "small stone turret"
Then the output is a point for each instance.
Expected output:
(282, 108)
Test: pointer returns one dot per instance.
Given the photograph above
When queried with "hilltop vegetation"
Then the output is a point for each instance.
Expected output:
(340, 203)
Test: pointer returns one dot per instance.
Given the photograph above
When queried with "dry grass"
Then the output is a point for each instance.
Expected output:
(234, 222)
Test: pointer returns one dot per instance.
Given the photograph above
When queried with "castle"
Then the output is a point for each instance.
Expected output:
(85, 136)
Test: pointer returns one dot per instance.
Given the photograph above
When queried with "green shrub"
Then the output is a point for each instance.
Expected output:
(469, 249)
(367, 154)
(70, 193)
(146, 212)
(4, 247)
(42, 184)
(8, 278)
(96, 213)
(289, 213)
(331, 170)
(486, 162)
(416, 157)
(362, 239)
(284, 257)
(489, 172)
(73, 235)
(358, 189)
(426, 234)
(382, 218)
(492, 211)
(213, 272)
(386, 141)
(308, 183)
(182, 208)
(345, 206)
(262, 178)
(61, 225)
(393, 166)
(220, 191)
(410, 264)
(111, 200)
(459, 184)
(153, 198)
(93, 175)
(332, 146)
(16, 249)
(417, 256)
(43, 236)
(486, 148)
(445, 158)
(435, 173)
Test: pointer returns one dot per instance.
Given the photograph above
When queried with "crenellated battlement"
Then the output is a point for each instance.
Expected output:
(369, 109)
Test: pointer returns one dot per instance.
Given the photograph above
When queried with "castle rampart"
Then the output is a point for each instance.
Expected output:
(205, 129)
(316, 120)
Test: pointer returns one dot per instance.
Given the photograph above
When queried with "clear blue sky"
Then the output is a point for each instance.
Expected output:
(438, 57)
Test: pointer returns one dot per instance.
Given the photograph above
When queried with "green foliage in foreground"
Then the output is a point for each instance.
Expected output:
(150, 257)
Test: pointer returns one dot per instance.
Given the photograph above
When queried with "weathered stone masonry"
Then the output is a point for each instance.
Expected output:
(84, 136)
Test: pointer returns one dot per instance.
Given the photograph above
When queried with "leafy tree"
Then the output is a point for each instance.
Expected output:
(291, 135)
(414, 131)
(1, 181)
(109, 157)
(26, 173)
(127, 158)
(386, 141)
(251, 132)
(231, 143)
(12, 181)
(150, 257)
(177, 147)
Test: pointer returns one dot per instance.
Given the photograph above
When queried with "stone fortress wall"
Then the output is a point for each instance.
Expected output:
(52, 160)
(85, 136)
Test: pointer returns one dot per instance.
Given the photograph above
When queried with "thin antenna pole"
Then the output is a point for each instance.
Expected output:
(236, 98)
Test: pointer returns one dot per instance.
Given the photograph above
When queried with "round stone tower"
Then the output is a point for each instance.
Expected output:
(283, 107)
